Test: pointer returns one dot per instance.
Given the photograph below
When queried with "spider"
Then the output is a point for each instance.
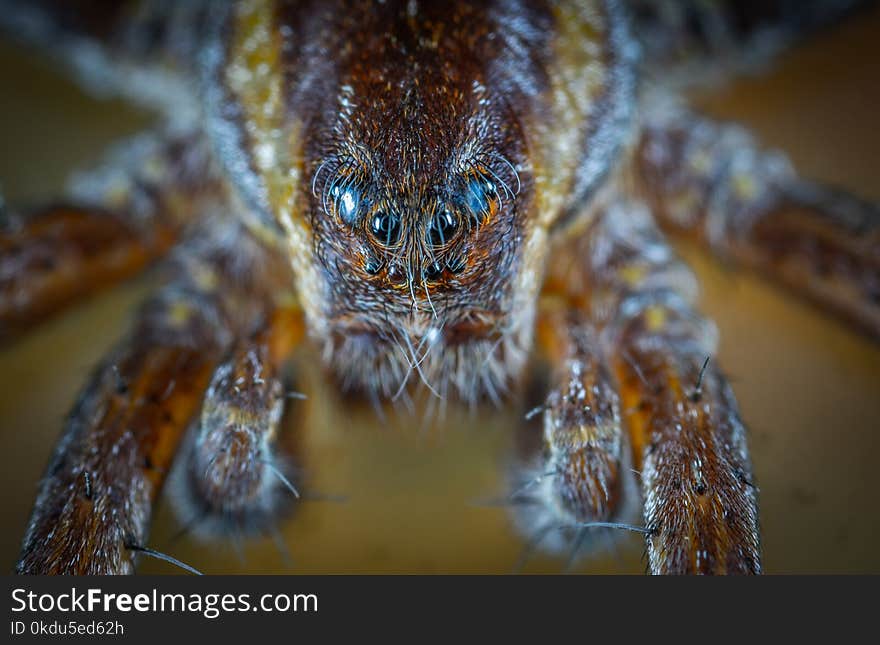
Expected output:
(444, 202)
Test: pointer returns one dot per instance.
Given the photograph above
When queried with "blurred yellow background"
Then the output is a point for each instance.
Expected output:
(809, 388)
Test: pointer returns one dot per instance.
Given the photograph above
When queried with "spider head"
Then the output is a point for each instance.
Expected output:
(402, 234)
(415, 157)
(416, 222)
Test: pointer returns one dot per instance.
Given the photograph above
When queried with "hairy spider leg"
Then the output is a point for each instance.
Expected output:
(581, 474)
(711, 182)
(115, 221)
(691, 43)
(688, 442)
(95, 501)
(232, 480)
(638, 396)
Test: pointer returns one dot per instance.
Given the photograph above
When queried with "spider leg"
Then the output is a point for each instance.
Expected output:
(144, 51)
(231, 478)
(688, 442)
(95, 500)
(693, 42)
(114, 222)
(580, 474)
(712, 182)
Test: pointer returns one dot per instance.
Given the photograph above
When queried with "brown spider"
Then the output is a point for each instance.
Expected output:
(433, 194)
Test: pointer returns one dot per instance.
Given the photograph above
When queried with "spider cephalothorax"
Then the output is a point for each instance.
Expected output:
(415, 174)
(435, 189)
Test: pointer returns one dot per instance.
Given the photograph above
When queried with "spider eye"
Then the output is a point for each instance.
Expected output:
(347, 202)
(480, 197)
(442, 227)
(433, 271)
(372, 265)
(385, 227)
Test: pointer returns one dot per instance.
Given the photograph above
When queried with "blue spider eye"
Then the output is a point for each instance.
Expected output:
(479, 197)
(347, 203)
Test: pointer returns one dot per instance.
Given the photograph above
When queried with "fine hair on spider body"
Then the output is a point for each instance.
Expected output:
(439, 200)
(230, 479)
